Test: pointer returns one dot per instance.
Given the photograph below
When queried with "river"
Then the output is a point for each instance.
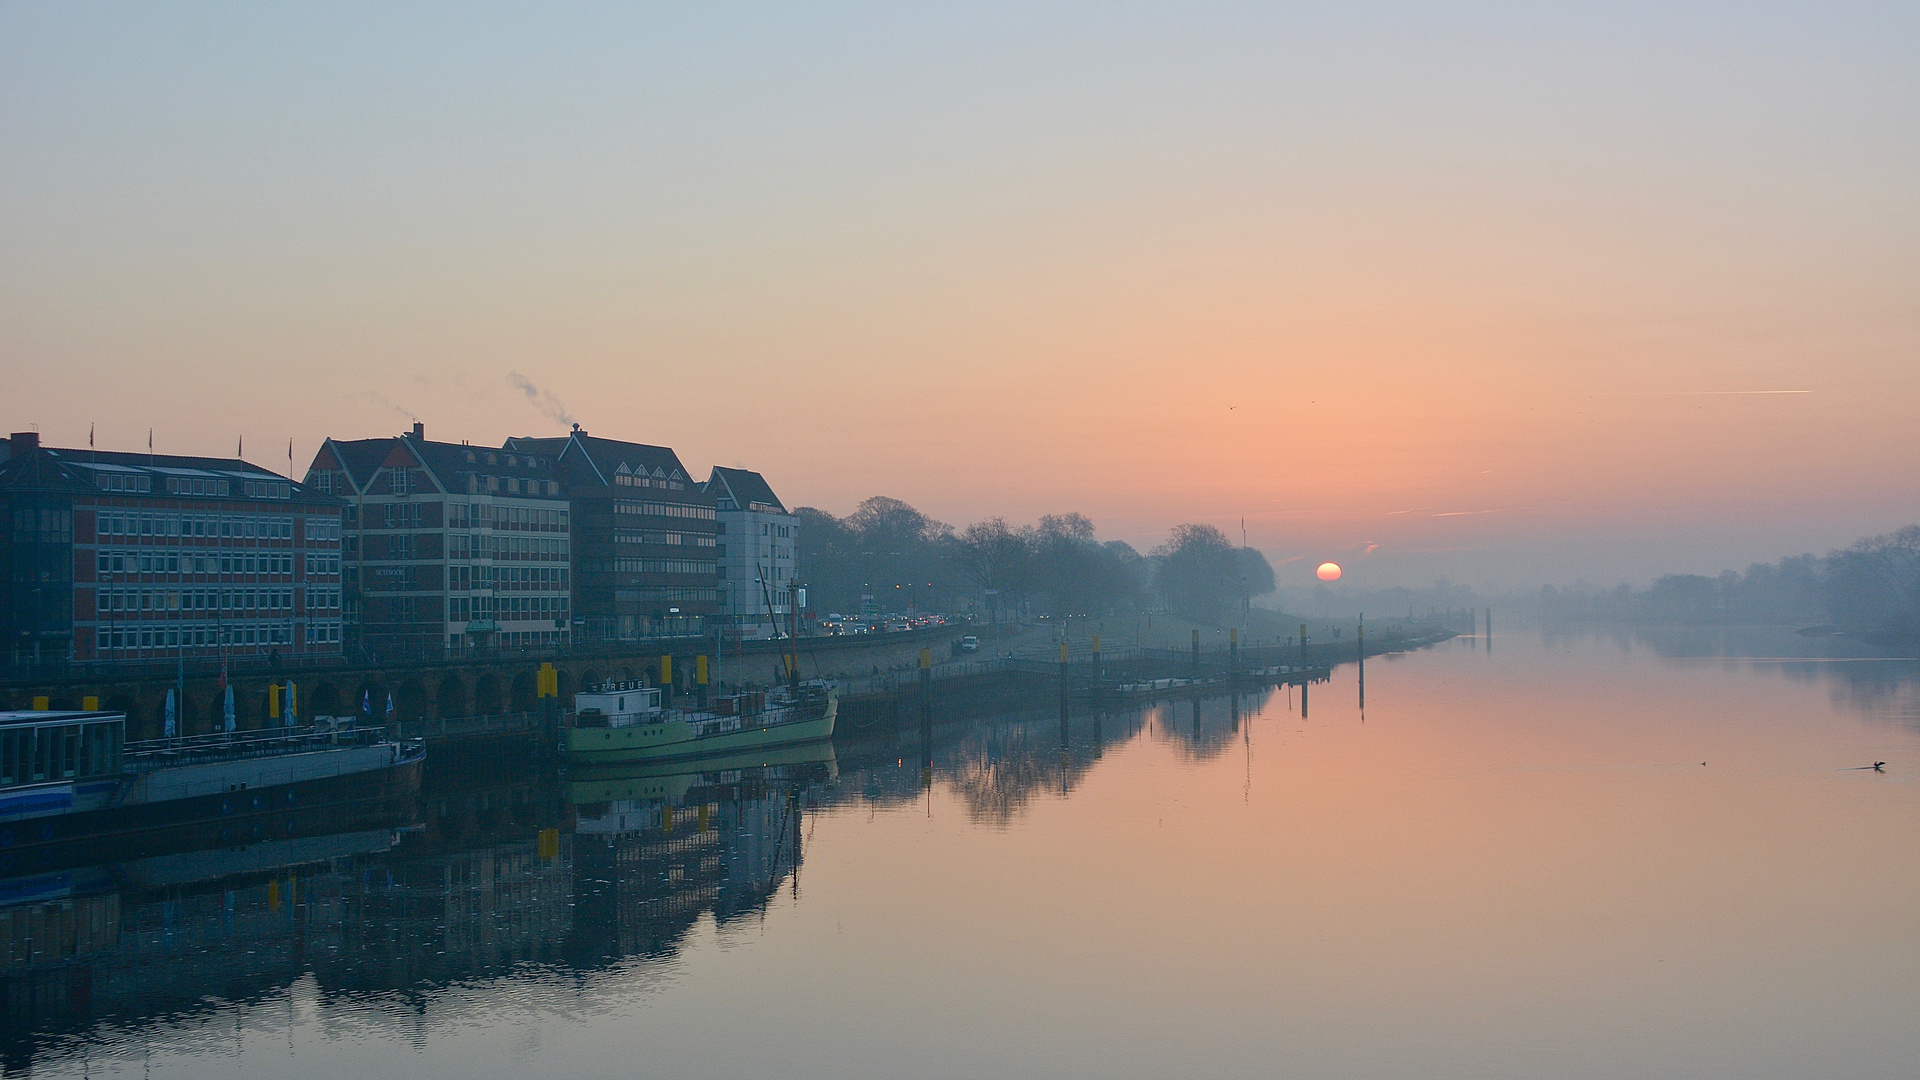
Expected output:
(1575, 854)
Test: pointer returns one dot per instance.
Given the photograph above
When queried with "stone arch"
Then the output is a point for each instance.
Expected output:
(590, 678)
(563, 680)
(523, 692)
(451, 700)
(123, 702)
(488, 694)
(323, 700)
(411, 701)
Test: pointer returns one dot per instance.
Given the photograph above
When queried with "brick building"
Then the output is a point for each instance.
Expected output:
(449, 548)
(113, 557)
(644, 538)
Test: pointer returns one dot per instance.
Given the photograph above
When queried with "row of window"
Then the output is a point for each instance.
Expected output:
(197, 485)
(663, 509)
(512, 518)
(456, 642)
(110, 600)
(661, 566)
(248, 525)
(33, 526)
(116, 481)
(625, 480)
(144, 562)
(512, 485)
(322, 565)
(506, 578)
(671, 539)
(206, 635)
(506, 608)
(57, 753)
(754, 573)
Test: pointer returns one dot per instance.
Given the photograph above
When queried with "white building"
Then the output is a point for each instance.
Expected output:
(757, 543)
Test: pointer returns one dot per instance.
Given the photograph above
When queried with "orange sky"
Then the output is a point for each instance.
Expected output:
(1467, 291)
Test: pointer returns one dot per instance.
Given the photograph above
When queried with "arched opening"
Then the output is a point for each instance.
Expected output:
(411, 700)
(324, 700)
(452, 698)
(487, 694)
(523, 692)
(124, 703)
(591, 678)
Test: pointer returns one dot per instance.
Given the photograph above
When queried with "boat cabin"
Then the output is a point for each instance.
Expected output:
(38, 747)
(617, 704)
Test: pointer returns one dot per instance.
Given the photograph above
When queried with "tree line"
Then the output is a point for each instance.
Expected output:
(1871, 588)
(906, 560)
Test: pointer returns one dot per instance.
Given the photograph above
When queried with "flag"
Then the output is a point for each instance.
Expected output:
(389, 706)
(149, 440)
(366, 702)
(240, 446)
(89, 436)
(226, 708)
(170, 723)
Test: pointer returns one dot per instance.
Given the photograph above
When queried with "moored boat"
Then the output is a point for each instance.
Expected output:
(625, 722)
(74, 792)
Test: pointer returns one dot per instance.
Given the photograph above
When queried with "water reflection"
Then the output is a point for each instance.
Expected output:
(1514, 843)
(1859, 678)
(492, 877)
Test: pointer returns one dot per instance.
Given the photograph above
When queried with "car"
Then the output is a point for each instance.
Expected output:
(969, 643)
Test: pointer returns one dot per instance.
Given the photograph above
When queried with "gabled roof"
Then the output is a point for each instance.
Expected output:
(358, 458)
(740, 489)
(446, 464)
(603, 459)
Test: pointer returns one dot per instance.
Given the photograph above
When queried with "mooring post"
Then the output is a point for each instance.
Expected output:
(1360, 648)
(1233, 651)
(1063, 675)
(1196, 652)
(926, 683)
(1303, 644)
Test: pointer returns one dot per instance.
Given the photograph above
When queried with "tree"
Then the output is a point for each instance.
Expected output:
(994, 558)
(1199, 572)
(1875, 584)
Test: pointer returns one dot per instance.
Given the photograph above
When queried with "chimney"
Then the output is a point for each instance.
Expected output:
(419, 431)
(25, 441)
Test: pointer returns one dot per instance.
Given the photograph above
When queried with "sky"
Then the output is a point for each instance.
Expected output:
(1483, 292)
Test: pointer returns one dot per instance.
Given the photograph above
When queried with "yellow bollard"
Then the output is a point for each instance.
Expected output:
(703, 817)
(40, 704)
(90, 704)
(700, 669)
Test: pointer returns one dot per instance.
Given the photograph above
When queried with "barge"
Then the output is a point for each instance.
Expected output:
(74, 792)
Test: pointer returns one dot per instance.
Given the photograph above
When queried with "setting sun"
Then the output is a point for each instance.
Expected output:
(1329, 571)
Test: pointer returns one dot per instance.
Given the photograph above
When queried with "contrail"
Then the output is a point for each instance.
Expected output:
(541, 399)
(1688, 393)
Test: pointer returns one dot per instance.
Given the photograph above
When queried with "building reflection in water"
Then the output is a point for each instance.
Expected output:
(517, 878)
(486, 880)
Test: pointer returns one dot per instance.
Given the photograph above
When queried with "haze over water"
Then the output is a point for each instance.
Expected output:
(1516, 864)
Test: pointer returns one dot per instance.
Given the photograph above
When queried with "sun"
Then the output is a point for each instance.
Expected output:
(1329, 571)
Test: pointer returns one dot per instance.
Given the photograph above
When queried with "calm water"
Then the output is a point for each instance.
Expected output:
(1572, 856)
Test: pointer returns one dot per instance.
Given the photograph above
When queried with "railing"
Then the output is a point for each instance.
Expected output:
(146, 754)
